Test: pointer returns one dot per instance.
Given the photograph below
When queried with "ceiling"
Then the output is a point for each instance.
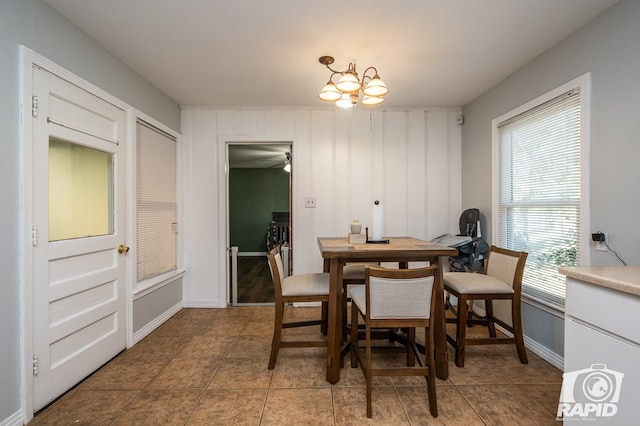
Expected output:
(255, 53)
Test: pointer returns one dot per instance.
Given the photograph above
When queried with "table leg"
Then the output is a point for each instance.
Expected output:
(441, 354)
(334, 332)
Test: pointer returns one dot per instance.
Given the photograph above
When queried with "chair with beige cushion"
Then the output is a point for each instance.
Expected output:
(502, 280)
(352, 274)
(402, 299)
(292, 289)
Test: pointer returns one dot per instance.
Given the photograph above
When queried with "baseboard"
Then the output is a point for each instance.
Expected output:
(534, 346)
(16, 419)
(157, 322)
(204, 304)
(545, 353)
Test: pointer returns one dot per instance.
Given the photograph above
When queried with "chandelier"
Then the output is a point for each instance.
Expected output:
(346, 91)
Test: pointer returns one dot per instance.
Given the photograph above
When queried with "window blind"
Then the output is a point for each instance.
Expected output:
(540, 192)
(156, 205)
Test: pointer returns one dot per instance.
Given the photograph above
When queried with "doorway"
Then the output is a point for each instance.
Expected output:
(259, 216)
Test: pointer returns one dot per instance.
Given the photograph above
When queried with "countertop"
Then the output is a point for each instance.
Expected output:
(622, 278)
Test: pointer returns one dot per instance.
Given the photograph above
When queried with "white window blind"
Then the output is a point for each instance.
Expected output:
(539, 206)
(156, 205)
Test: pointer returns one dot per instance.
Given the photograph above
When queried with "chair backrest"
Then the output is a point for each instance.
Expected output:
(507, 266)
(277, 271)
(399, 293)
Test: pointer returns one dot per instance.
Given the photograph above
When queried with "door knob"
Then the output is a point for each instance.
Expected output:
(123, 249)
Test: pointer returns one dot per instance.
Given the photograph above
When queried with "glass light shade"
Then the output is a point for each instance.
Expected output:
(372, 100)
(329, 92)
(345, 101)
(348, 82)
(376, 87)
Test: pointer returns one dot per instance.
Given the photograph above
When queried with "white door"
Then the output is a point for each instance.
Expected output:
(78, 224)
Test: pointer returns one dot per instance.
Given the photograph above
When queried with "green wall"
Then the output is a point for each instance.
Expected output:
(253, 195)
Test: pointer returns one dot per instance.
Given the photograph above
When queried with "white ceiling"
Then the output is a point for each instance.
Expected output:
(265, 52)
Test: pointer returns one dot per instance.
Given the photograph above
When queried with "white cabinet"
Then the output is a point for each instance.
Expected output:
(602, 350)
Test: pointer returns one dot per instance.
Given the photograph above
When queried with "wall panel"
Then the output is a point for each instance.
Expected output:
(409, 159)
(395, 174)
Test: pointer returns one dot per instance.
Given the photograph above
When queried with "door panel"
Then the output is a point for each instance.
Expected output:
(78, 274)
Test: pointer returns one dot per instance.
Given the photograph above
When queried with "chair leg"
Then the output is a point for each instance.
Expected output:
(324, 317)
(430, 362)
(517, 331)
(461, 330)
(345, 289)
(488, 307)
(411, 340)
(367, 371)
(354, 336)
(277, 335)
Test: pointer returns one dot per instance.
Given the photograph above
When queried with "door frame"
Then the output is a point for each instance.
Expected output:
(224, 141)
(28, 60)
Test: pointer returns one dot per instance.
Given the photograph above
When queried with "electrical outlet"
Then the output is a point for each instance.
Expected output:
(602, 245)
(310, 202)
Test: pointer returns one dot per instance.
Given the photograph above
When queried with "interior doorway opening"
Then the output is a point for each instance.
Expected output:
(259, 216)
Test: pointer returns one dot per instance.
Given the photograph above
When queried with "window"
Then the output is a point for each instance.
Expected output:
(156, 206)
(540, 191)
(80, 191)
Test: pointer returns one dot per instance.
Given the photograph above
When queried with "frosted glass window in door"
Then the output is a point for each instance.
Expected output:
(80, 191)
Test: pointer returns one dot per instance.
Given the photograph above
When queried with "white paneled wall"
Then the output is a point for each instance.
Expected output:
(410, 160)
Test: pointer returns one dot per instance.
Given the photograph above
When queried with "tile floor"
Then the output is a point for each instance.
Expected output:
(209, 366)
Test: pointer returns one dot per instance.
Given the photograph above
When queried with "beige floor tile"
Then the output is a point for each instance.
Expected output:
(229, 407)
(241, 373)
(350, 406)
(250, 346)
(86, 408)
(308, 406)
(258, 327)
(222, 327)
(206, 346)
(160, 407)
(162, 347)
(124, 374)
(499, 364)
(300, 371)
(453, 409)
(512, 404)
(187, 373)
(182, 326)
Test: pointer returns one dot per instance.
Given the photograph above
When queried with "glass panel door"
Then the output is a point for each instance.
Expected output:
(80, 191)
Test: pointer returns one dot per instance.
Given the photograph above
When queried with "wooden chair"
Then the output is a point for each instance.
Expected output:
(295, 288)
(502, 280)
(396, 298)
(352, 274)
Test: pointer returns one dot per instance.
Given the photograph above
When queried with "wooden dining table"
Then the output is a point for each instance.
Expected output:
(337, 251)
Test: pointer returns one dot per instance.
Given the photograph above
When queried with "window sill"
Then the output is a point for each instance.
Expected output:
(152, 284)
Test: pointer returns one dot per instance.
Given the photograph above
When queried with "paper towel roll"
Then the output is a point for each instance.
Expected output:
(377, 219)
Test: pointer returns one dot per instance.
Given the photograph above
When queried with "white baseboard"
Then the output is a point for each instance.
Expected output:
(155, 323)
(534, 346)
(545, 353)
(204, 304)
(16, 419)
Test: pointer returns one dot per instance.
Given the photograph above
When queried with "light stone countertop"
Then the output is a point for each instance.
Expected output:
(622, 278)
